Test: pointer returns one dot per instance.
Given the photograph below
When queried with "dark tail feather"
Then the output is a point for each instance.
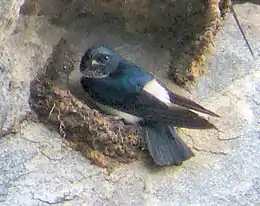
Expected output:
(165, 146)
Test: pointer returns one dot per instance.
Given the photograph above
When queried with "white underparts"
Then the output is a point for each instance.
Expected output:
(127, 117)
(154, 88)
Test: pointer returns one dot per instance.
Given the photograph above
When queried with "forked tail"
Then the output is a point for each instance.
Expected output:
(165, 146)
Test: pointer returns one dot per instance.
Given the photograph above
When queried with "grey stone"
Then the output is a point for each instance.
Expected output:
(38, 168)
(22, 54)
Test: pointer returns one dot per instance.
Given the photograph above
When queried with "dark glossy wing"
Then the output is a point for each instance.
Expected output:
(182, 101)
(152, 109)
(172, 99)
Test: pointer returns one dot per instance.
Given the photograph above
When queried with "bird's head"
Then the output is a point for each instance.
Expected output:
(99, 62)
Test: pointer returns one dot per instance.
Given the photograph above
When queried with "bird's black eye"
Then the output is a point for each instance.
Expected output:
(106, 58)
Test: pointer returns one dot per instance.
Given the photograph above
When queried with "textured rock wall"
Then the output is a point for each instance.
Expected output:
(36, 168)
(32, 29)
(22, 53)
(9, 13)
(10, 90)
(185, 27)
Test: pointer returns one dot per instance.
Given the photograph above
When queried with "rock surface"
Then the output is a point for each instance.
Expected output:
(37, 168)
(22, 52)
(186, 28)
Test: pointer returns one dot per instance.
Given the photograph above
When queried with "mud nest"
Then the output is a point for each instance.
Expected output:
(102, 139)
(184, 27)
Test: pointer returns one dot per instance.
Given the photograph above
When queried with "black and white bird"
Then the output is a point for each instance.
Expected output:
(114, 82)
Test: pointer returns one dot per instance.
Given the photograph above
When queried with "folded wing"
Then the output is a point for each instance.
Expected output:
(155, 102)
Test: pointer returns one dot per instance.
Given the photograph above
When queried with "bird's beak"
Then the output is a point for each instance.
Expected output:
(91, 63)
(94, 62)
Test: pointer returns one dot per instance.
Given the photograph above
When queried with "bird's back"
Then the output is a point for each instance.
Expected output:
(119, 89)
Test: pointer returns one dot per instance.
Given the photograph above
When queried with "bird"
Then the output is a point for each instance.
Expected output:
(115, 82)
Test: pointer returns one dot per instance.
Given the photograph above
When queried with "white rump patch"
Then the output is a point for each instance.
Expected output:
(154, 88)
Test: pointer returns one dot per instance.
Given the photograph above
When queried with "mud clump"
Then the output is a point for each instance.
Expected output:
(102, 139)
